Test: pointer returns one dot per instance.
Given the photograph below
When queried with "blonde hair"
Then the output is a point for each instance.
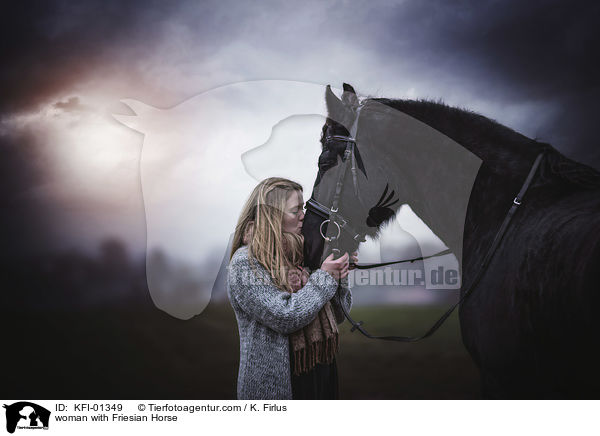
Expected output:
(260, 225)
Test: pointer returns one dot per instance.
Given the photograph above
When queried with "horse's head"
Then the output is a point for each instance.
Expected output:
(366, 196)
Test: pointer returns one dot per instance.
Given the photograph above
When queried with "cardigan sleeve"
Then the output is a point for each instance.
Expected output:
(252, 288)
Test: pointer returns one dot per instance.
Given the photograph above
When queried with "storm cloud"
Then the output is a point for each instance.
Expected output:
(529, 65)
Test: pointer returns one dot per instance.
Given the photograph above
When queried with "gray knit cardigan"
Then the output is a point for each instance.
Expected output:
(266, 316)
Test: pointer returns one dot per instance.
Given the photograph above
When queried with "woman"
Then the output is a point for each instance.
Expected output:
(287, 316)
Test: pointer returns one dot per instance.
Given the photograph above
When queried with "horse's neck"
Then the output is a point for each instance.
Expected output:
(436, 174)
(446, 188)
(441, 174)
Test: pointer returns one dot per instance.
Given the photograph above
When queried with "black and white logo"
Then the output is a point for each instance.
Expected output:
(26, 415)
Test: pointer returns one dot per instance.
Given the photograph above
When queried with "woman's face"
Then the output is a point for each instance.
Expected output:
(293, 215)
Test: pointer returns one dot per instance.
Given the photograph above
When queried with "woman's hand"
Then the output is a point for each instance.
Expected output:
(338, 268)
(353, 260)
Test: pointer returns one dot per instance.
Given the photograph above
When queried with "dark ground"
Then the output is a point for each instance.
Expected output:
(119, 353)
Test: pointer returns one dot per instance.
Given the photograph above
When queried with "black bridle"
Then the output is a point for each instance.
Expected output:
(332, 215)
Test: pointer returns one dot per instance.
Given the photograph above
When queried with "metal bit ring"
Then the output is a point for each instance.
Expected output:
(325, 237)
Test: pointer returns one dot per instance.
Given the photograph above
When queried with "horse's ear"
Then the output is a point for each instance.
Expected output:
(349, 97)
(336, 109)
(349, 88)
(334, 104)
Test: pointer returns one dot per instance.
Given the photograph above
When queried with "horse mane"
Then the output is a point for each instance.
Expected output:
(573, 172)
(468, 127)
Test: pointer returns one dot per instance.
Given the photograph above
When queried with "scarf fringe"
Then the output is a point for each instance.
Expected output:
(305, 359)
(319, 351)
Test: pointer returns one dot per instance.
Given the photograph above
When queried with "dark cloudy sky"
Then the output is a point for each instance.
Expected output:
(65, 65)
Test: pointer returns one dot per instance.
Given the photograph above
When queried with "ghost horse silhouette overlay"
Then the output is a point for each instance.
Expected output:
(193, 179)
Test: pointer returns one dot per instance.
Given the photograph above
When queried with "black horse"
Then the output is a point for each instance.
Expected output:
(529, 324)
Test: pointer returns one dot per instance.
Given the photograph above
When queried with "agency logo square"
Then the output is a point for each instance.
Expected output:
(26, 415)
